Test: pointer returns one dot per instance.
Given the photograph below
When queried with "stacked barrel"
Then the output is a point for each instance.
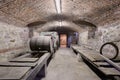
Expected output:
(48, 41)
(55, 38)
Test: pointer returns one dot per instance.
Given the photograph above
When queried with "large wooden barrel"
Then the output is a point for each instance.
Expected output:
(109, 50)
(33, 44)
(54, 36)
(41, 43)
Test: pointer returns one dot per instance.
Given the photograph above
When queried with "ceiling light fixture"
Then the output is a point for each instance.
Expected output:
(58, 6)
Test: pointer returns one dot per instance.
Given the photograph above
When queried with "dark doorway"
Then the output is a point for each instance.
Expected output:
(72, 38)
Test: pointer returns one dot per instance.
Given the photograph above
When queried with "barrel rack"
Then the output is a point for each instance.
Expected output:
(101, 65)
(25, 67)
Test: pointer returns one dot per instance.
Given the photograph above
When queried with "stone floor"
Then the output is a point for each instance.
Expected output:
(65, 66)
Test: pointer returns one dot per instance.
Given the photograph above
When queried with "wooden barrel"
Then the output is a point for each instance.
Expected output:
(41, 43)
(109, 50)
(55, 38)
(33, 44)
(54, 42)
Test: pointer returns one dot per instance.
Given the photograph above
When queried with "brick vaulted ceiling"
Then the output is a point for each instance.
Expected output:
(29, 11)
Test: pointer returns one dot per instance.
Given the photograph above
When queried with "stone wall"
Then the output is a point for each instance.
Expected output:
(102, 35)
(13, 40)
(108, 30)
(36, 33)
(83, 38)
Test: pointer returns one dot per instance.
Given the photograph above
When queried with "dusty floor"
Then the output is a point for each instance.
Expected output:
(65, 66)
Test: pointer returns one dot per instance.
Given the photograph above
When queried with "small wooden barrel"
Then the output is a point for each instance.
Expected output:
(109, 50)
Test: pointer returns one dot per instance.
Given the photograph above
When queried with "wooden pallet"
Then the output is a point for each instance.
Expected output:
(15, 64)
(109, 71)
(13, 73)
(24, 60)
(97, 61)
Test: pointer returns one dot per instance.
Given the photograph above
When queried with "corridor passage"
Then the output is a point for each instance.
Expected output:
(65, 66)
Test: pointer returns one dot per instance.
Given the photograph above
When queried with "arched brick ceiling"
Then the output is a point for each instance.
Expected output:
(88, 10)
(55, 24)
(31, 11)
(28, 11)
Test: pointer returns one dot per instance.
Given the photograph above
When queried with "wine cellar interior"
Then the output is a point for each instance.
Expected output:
(59, 39)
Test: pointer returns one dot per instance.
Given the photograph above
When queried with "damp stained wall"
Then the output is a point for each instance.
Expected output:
(108, 30)
(13, 40)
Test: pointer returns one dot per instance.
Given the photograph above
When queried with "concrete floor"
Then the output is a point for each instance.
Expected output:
(65, 66)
